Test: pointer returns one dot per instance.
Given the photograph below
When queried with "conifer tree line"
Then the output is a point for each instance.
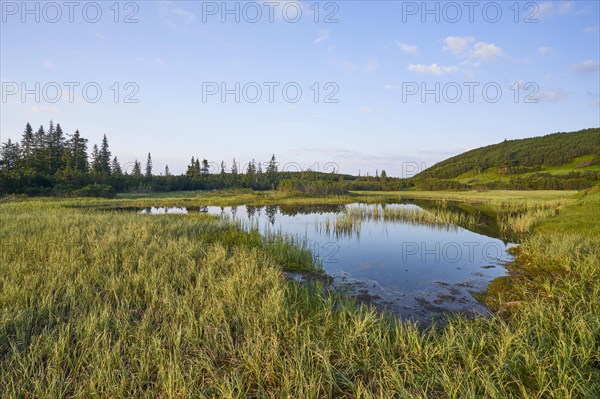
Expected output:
(48, 161)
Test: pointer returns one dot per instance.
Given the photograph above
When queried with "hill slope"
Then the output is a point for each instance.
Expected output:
(561, 155)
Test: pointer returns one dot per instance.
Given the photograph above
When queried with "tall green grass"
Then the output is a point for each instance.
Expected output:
(113, 304)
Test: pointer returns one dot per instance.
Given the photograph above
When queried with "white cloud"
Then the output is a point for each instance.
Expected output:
(486, 52)
(369, 68)
(586, 67)
(543, 51)
(365, 109)
(48, 64)
(433, 69)
(54, 110)
(462, 45)
(543, 9)
(408, 48)
(159, 61)
(391, 87)
(551, 9)
(323, 35)
(551, 96)
(175, 16)
(592, 29)
(565, 7)
(458, 44)
(372, 66)
(186, 16)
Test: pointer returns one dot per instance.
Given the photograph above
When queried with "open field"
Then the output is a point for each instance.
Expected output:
(116, 304)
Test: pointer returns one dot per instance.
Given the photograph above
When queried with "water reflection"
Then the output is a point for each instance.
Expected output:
(419, 260)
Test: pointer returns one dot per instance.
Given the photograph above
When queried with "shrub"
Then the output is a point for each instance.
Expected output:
(97, 190)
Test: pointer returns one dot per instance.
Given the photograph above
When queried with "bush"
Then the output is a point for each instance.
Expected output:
(96, 190)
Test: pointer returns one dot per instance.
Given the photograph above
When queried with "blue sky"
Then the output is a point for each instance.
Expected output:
(371, 60)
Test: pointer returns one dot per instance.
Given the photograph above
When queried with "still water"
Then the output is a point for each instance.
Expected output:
(418, 271)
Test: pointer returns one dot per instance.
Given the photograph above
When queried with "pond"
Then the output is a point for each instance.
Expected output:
(415, 261)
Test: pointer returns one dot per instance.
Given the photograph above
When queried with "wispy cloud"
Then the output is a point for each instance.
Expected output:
(556, 8)
(408, 48)
(458, 44)
(175, 16)
(43, 109)
(486, 52)
(48, 64)
(551, 95)
(323, 35)
(466, 46)
(365, 109)
(544, 51)
(158, 61)
(184, 15)
(592, 29)
(369, 68)
(433, 69)
(586, 67)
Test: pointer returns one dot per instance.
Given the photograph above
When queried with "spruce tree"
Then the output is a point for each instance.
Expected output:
(28, 148)
(96, 166)
(234, 169)
(149, 167)
(40, 157)
(9, 156)
(56, 146)
(197, 168)
(205, 168)
(77, 146)
(190, 169)
(104, 157)
(115, 166)
(137, 169)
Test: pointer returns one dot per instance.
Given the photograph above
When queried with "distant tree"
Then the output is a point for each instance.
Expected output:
(259, 172)
(205, 168)
(137, 169)
(96, 165)
(149, 167)
(115, 167)
(190, 169)
(251, 172)
(56, 148)
(76, 157)
(272, 168)
(28, 147)
(234, 169)
(104, 157)
(197, 167)
(9, 155)
(40, 156)
(223, 173)
(167, 171)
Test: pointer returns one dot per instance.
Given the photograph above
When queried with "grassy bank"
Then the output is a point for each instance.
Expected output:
(115, 304)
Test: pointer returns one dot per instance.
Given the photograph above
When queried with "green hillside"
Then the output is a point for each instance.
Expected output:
(555, 161)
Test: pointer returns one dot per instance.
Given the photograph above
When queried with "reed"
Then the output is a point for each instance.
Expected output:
(116, 304)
